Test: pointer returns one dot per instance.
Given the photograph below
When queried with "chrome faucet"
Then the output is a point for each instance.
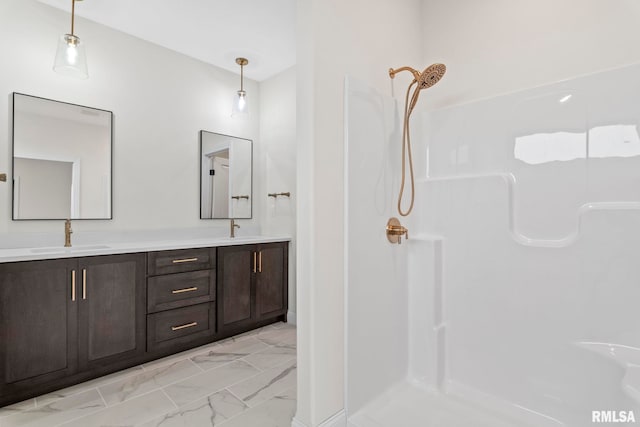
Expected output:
(233, 228)
(67, 233)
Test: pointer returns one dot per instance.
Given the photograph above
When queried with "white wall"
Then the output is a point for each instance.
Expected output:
(278, 137)
(335, 38)
(497, 46)
(160, 101)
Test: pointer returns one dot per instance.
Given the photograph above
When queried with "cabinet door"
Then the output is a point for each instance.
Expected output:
(235, 271)
(111, 320)
(271, 280)
(37, 323)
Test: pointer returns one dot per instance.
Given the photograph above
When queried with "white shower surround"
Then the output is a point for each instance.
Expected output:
(514, 302)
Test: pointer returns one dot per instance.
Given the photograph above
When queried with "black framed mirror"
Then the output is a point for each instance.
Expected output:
(62, 160)
(226, 176)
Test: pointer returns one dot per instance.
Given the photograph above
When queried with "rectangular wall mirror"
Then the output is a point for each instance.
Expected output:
(226, 170)
(61, 160)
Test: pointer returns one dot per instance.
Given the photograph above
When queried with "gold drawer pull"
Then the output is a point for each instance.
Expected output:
(254, 262)
(188, 325)
(179, 291)
(84, 283)
(180, 261)
(73, 285)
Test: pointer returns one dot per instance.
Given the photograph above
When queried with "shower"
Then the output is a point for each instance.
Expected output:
(515, 303)
(429, 77)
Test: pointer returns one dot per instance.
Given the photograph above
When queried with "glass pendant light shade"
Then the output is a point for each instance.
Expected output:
(71, 58)
(240, 105)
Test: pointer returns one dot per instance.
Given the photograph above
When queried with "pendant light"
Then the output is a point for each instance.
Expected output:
(240, 103)
(71, 59)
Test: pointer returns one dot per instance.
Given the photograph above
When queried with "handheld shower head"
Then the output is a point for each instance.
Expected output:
(423, 80)
(431, 75)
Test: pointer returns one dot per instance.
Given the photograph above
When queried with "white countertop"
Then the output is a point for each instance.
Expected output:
(31, 254)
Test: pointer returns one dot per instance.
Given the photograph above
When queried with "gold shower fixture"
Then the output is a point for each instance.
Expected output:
(395, 231)
(421, 80)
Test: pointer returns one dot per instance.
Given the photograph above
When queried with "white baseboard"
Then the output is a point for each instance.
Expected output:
(291, 318)
(338, 420)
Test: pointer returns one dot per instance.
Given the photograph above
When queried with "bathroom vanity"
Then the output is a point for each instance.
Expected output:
(67, 316)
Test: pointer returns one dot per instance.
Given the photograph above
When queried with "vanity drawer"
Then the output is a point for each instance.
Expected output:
(177, 327)
(180, 290)
(178, 261)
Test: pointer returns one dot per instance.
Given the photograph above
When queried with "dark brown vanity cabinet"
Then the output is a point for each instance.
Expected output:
(69, 320)
(252, 285)
(64, 317)
(181, 295)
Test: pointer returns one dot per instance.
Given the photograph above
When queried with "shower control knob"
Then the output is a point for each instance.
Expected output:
(395, 231)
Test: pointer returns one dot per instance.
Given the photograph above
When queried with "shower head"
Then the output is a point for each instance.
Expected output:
(431, 75)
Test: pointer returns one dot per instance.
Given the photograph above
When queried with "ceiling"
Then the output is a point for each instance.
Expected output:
(213, 31)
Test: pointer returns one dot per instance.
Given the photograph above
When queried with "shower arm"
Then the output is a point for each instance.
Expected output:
(393, 72)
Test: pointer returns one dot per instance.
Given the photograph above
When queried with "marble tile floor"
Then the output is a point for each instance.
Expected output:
(245, 381)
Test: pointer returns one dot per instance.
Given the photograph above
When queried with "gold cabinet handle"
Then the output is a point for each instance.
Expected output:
(180, 261)
(260, 262)
(188, 325)
(73, 285)
(84, 283)
(254, 261)
(180, 291)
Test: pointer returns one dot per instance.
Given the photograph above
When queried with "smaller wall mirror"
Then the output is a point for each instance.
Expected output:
(226, 176)
(61, 160)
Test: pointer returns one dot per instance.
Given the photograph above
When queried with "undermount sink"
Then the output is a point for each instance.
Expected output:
(62, 250)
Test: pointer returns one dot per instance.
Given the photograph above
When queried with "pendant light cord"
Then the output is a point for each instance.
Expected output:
(406, 151)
